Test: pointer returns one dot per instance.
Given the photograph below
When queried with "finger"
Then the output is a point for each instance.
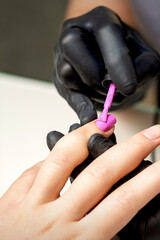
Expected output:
(80, 103)
(52, 138)
(116, 55)
(21, 186)
(147, 64)
(69, 152)
(98, 144)
(124, 203)
(113, 138)
(66, 74)
(69, 78)
(81, 167)
(144, 164)
(74, 127)
(147, 216)
(77, 45)
(93, 184)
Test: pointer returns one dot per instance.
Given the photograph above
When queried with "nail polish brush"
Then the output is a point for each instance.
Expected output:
(105, 120)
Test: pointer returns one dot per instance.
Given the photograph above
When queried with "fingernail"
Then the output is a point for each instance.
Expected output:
(152, 133)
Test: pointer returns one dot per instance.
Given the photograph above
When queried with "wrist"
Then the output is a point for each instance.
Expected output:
(123, 8)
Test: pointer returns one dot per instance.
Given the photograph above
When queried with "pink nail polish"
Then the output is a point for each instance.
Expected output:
(106, 121)
(111, 120)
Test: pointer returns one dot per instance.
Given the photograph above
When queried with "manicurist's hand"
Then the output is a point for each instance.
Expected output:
(95, 49)
(33, 209)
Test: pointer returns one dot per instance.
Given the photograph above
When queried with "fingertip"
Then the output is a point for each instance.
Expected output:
(52, 138)
(128, 89)
(74, 127)
(98, 144)
(147, 65)
(94, 138)
(88, 117)
(113, 138)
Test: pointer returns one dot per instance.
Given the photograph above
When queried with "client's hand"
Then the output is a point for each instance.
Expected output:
(33, 209)
(145, 224)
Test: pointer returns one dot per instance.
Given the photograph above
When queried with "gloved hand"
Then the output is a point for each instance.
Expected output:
(95, 146)
(146, 224)
(95, 49)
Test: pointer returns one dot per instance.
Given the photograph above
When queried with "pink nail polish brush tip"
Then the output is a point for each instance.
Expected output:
(105, 120)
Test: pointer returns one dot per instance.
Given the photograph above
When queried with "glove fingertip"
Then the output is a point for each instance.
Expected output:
(52, 138)
(74, 127)
(98, 144)
(93, 139)
(128, 88)
(88, 118)
(113, 138)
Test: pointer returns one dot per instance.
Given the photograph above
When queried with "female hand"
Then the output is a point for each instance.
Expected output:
(145, 224)
(33, 209)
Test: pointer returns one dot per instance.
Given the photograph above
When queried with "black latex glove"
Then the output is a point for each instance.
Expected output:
(146, 224)
(98, 47)
(95, 147)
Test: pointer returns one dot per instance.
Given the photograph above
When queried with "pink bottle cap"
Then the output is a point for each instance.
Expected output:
(106, 121)
(111, 120)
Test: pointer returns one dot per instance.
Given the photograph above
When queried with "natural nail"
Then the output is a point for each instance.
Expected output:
(152, 133)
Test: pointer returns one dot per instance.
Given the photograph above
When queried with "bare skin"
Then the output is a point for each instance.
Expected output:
(121, 7)
(33, 209)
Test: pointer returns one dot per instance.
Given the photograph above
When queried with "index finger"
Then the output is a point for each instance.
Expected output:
(117, 58)
(115, 211)
(98, 178)
(68, 153)
(79, 102)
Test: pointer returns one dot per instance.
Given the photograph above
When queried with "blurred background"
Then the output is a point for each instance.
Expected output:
(28, 32)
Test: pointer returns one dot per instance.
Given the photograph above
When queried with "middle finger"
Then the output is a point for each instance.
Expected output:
(69, 152)
(98, 178)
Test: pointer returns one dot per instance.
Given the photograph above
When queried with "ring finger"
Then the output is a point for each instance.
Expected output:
(98, 178)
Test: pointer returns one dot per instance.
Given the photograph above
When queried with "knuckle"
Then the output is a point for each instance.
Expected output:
(68, 24)
(135, 143)
(99, 172)
(130, 88)
(68, 38)
(156, 167)
(60, 159)
(28, 173)
(106, 13)
(100, 8)
(101, 11)
(126, 199)
(32, 171)
(64, 71)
